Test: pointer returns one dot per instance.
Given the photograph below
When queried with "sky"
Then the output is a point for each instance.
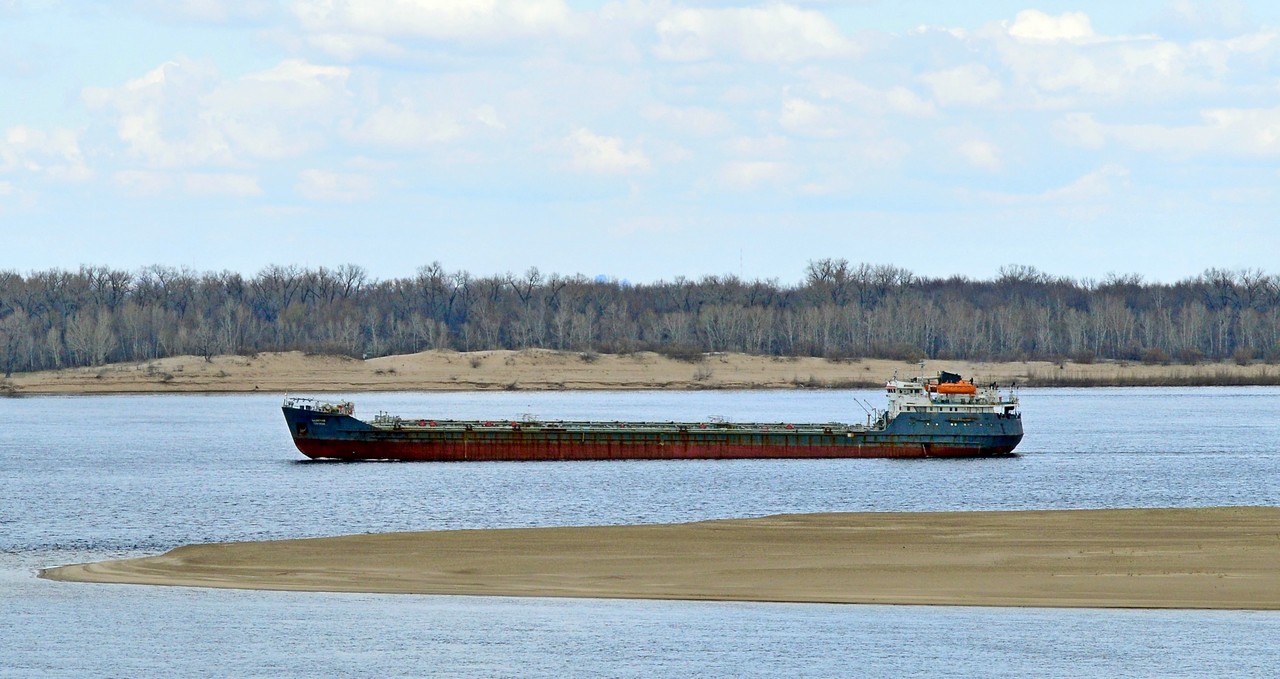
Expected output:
(641, 140)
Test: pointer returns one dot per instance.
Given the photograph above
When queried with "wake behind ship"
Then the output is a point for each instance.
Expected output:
(937, 417)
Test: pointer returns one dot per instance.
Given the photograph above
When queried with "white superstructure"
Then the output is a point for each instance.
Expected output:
(947, 394)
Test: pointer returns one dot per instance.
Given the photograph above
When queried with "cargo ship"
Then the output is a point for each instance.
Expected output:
(944, 416)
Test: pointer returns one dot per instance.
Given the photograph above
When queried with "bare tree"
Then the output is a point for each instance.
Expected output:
(15, 342)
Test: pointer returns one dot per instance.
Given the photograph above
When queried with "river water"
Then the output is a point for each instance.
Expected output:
(91, 478)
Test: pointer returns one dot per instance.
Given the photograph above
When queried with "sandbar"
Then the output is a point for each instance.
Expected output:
(1213, 558)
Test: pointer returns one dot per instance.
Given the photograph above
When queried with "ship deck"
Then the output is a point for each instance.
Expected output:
(400, 424)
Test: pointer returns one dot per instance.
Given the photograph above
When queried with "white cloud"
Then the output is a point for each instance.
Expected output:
(1244, 195)
(806, 118)
(1092, 187)
(54, 153)
(434, 19)
(892, 101)
(590, 152)
(949, 31)
(208, 11)
(1060, 62)
(670, 153)
(350, 46)
(153, 183)
(1081, 129)
(159, 118)
(829, 186)
(207, 184)
(291, 85)
(488, 116)
(772, 33)
(184, 114)
(402, 126)
(372, 165)
(698, 121)
(966, 85)
(1034, 25)
(750, 174)
(902, 100)
(1223, 132)
(881, 153)
(143, 182)
(1217, 58)
(1117, 70)
(281, 112)
(1095, 185)
(334, 186)
(1213, 16)
(768, 146)
(13, 197)
(981, 154)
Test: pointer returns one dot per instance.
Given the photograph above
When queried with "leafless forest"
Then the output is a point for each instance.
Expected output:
(96, 315)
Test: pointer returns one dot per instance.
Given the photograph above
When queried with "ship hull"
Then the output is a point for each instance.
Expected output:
(341, 437)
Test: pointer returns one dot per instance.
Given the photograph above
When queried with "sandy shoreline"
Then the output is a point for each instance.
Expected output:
(1128, 558)
(538, 369)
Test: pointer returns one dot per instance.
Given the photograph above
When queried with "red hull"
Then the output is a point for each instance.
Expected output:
(532, 451)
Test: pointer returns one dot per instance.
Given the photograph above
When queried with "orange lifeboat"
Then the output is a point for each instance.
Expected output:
(957, 388)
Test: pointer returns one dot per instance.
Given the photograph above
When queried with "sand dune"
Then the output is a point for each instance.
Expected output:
(1145, 558)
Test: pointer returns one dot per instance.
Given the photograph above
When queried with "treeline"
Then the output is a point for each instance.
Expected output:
(96, 315)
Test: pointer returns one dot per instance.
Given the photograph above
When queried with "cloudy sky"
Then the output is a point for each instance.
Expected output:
(642, 140)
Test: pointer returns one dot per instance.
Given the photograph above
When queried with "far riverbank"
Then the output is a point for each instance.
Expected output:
(539, 369)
